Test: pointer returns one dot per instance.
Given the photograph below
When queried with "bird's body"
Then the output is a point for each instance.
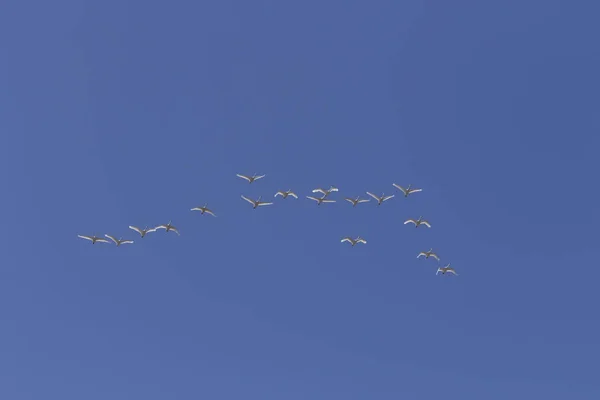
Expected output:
(353, 242)
(168, 227)
(380, 199)
(356, 201)
(203, 209)
(142, 232)
(120, 241)
(428, 254)
(286, 194)
(252, 178)
(257, 202)
(406, 190)
(325, 192)
(93, 239)
(417, 222)
(320, 200)
(445, 269)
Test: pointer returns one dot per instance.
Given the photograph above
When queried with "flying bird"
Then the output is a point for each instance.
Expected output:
(380, 199)
(408, 189)
(203, 210)
(168, 227)
(320, 200)
(142, 232)
(286, 194)
(445, 269)
(356, 201)
(93, 239)
(326, 192)
(417, 222)
(252, 178)
(428, 254)
(257, 202)
(120, 241)
(354, 241)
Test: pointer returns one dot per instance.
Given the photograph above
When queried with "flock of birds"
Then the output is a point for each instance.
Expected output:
(324, 198)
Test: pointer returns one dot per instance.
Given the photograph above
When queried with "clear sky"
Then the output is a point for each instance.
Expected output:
(132, 112)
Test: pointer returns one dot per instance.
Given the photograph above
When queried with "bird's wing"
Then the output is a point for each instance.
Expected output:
(426, 224)
(387, 197)
(334, 189)
(210, 212)
(293, 195)
(363, 201)
(264, 203)
(196, 209)
(361, 241)
(349, 240)
(102, 240)
(86, 237)
(259, 177)
(151, 230)
(415, 190)
(126, 241)
(244, 177)
(160, 227)
(410, 221)
(135, 228)
(319, 191)
(350, 200)
(434, 256)
(278, 193)
(112, 238)
(248, 200)
(438, 271)
(312, 198)
(399, 187)
(175, 230)
(373, 196)
(328, 201)
(421, 254)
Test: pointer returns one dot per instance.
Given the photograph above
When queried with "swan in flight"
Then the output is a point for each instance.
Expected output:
(408, 190)
(428, 254)
(417, 222)
(93, 239)
(445, 269)
(325, 192)
(286, 194)
(142, 231)
(320, 200)
(256, 203)
(118, 242)
(354, 241)
(168, 227)
(252, 178)
(203, 210)
(380, 199)
(356, 201)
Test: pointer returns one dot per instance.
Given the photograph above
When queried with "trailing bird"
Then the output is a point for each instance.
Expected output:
(354, 241)
(326, 192)
(380, 199)
(142, 232)
(168, 227)
(428, 254)
(320, 200)
(120, 241)
(356, 201)
(93, 239)
(256, 203)
(203, 210)
(445, 269)
(286, 194)
(418, 222)
(252, 178)
(408, 190)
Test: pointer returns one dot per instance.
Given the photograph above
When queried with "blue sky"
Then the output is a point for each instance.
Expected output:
(131, 112)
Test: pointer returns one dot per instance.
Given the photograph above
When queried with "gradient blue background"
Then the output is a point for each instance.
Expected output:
(132, 112)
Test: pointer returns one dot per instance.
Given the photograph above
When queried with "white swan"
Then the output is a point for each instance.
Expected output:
(445, 269)
(354, 241)
(320, 200)
(428, 254)
(418, 222)
(203, 210)
(142, 232)
(380, 199)
(168, 227)
(326, 192)
(256, 203)
(408, 190)
(286, 194)
(356, 201)
(252, 178)
(118, 242)
(93, 239)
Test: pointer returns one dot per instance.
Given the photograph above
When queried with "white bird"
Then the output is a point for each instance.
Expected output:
(354, 241)
(257, 202)
(168, 227)
(286, 194)
(445, 269)
(203, 210)
(418, 222)
(320, 200)
(252, 178)
(408, 190)
(93, 239)
(142, 232)
(120, 241)
(326, 192)
(380, 199)
(356, 201)
(428, 254)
